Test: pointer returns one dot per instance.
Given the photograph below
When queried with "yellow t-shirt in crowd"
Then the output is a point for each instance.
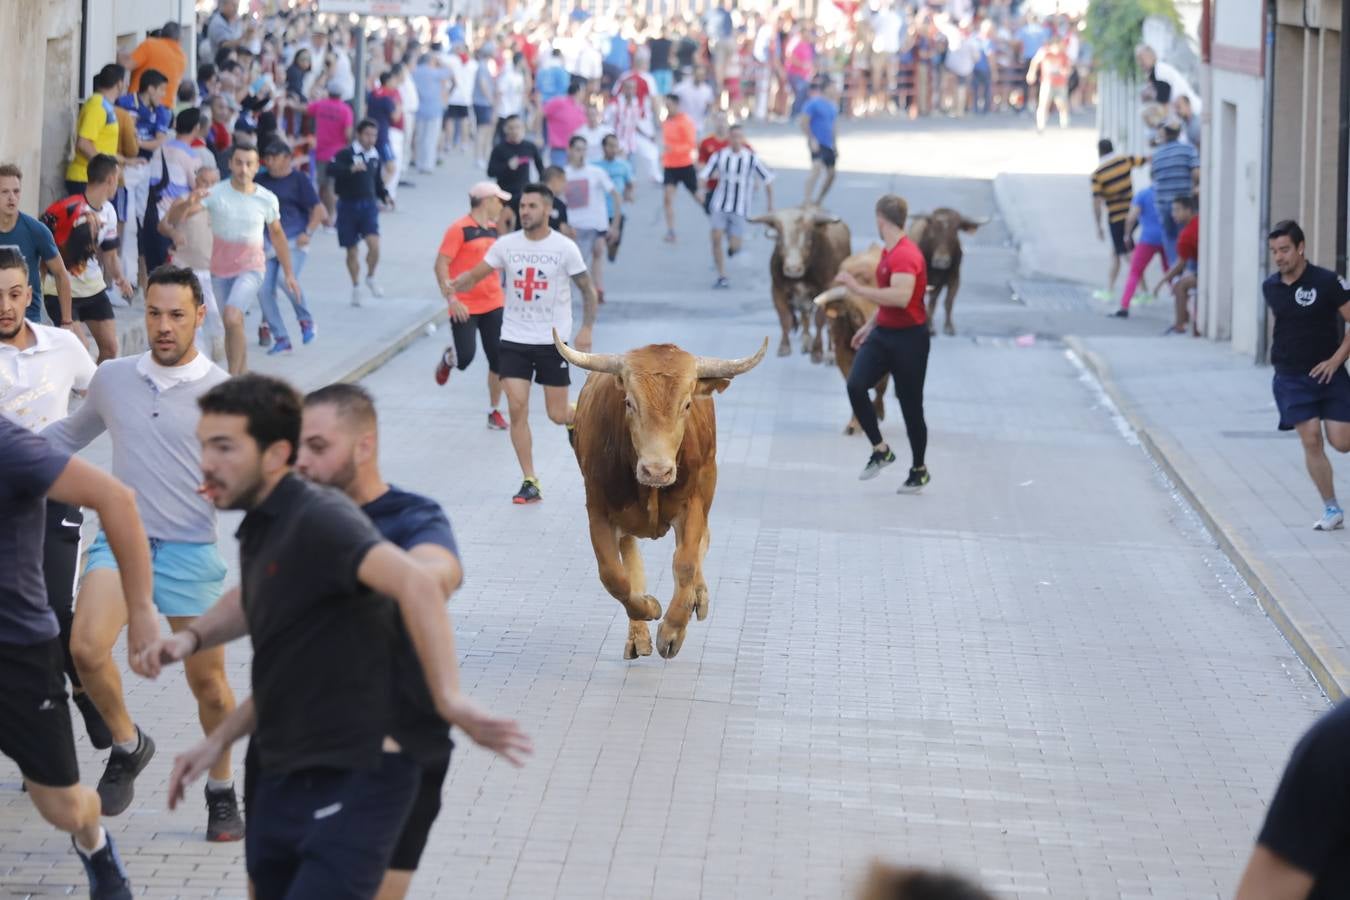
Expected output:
(97, 123)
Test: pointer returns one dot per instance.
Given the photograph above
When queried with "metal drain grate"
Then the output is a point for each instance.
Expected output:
(1049, 294)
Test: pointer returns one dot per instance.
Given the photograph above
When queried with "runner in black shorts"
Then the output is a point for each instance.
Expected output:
(1312, 390)
(683, 176)
(35, 727)
(540, 267)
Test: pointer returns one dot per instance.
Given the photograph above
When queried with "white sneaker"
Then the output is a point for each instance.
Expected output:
(375, 289)
(1332, 518)
(356, 295)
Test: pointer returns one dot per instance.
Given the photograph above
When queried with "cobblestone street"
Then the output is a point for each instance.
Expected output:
(1041, 671)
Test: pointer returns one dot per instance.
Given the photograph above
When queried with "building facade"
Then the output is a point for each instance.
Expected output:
(1273, 149)
(49, 52)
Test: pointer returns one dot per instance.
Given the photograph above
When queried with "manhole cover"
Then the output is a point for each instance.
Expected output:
(1048, 294)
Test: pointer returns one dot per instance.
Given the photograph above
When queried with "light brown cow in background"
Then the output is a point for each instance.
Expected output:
(646, 442)
(809, 245)
(846, 313)
(938, 235)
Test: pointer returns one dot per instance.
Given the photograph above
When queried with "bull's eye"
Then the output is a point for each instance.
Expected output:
(629, 404)
(688, 403)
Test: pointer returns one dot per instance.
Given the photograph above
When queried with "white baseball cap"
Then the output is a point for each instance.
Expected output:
(484, 189)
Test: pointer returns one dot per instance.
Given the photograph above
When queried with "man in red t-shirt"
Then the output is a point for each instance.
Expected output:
(1186, 266)
(477, 311)
(894, 341)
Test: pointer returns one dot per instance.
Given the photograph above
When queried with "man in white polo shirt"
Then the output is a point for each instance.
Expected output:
(39, 367)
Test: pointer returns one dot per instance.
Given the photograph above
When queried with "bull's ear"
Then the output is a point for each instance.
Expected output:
(706, 386)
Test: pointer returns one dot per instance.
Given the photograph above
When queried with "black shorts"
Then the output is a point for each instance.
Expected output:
(1300, 397)
(541, 363)
(426, 806)
(1118, 237)
(35, 727)
(826, 156)
(97, 308)
(681, 175)
(455, 111)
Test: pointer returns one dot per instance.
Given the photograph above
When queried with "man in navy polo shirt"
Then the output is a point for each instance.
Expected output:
(1308, 350)
(302, 214)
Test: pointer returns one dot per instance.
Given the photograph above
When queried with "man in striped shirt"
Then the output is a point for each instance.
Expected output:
(1113, 191)
(1175, 170)
(734, 168)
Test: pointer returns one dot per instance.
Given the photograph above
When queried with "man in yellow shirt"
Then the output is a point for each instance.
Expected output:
(97, 129)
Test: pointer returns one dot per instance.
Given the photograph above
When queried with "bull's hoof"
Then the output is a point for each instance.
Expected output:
(669, 640)
(949, 328)
(701, 602)
(851, 429)
(649, 606)
(785, 349)
(639, 641)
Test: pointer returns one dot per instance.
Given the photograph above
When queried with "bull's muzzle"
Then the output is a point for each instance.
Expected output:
(656, 472)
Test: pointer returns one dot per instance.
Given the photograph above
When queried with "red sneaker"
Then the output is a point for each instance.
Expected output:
(496, 421)
(445, 366)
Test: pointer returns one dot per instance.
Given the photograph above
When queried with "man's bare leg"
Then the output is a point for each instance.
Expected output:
(205, 673)
(236, 344)
(494, 389)
(558, 405)
(1314, 457)
(75, 810)
(518, 405)
(825, 188)
(354, 265)
(719, 256)
(811, 178)
(104, 334)
(100, 616)
(668, 203)
(372, 254)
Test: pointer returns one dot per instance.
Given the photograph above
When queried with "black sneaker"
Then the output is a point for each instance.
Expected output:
(117, 787)
(97, 729)
(223, 821)
(1121, 313)
(918, 477)
(878, 461)
(107, 877)
(528, 493)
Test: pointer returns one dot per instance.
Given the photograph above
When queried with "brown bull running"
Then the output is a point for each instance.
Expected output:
(646, 442)
(809, 245)
(938, 235)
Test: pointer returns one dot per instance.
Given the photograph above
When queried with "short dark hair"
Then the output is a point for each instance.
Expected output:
(573, 87)
(188, 120)
(10, 170)
(1287, 228)
(1104, 146)
(673, 98)
(240, 147)
(366, 123)
(182, 276)
(511, 118)
(11, 257)
(893, 208)
(352, 401)
(171, 30)
(270, 407)
(151, 79)
(277, 147)
(187, 91)
(575, 140)
(101, 167)
(1185, 200)
(109, 76)
(535, 187)
(205, 71)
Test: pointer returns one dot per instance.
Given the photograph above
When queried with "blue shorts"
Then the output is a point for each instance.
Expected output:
(1300, 397)
(356, 219)
(189, 578)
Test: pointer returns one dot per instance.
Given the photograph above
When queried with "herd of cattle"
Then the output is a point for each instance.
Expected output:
(646, 428)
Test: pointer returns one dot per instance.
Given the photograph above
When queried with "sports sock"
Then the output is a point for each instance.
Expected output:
(99, 845)
(130, 746)
(217, 786)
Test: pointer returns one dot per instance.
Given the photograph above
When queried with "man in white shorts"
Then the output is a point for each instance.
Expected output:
(540, 266)
(590, 195)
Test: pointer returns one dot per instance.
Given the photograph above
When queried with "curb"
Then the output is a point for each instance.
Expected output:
(395, 347)
(1329, 672)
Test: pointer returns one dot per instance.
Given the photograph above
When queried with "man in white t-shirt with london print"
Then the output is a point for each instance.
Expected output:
(540, 266)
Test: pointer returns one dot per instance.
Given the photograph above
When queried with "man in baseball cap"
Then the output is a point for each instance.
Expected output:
(476, 312)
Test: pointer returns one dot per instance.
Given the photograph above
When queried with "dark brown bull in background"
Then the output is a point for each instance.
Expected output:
(809, 245)
(938, 235)
(846, 313)
(646, 442)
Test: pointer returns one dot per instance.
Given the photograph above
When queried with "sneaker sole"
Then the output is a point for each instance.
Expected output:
(1337, 527)
(520, 502)
(228, 837)
(131, 793)
(869, 474)
(906, 489)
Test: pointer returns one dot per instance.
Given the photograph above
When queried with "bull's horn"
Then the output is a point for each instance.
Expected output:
(835, 293)
(972, 224)
(821, 217)
(712, 367)
(594, 362)
(764, 219)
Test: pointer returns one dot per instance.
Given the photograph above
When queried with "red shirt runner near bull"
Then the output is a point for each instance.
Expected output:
(903, 258)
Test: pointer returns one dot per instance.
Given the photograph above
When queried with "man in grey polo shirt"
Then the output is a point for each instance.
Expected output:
(149, 404)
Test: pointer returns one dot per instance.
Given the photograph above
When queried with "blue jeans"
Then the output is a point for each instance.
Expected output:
(799, 86)
(1169, 227)
(981, 90)
(267, 296)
